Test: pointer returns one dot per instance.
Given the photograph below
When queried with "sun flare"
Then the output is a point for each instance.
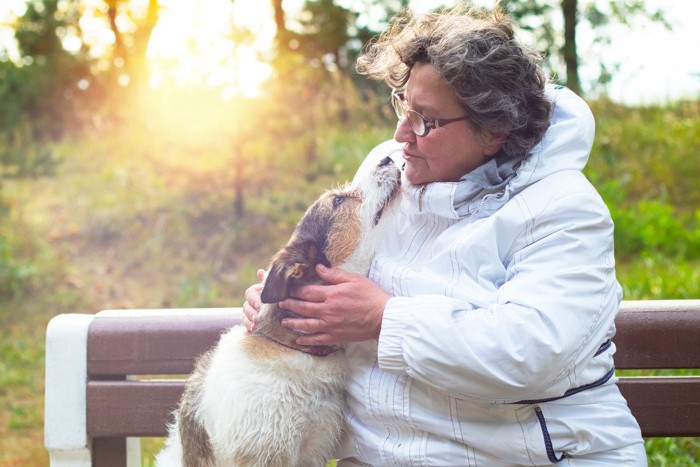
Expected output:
(212, 43)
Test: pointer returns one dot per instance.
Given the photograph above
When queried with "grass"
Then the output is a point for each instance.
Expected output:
(21, 387)
(133, 221)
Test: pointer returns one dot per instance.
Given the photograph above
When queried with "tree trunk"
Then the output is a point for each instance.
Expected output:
(569, 10)
(119, 47)
(138, 64)
(134, 57)
(282, 36)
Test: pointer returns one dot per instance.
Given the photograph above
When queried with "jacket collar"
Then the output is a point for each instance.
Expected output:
(468, 196)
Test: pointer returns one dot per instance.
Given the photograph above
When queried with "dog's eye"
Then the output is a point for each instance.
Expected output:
(338, 200)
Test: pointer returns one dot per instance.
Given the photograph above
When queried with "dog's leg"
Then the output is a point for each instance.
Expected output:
(196, 447)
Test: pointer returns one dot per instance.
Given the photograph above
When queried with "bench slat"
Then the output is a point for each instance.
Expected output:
(674, 397)
(152, 345)
(142, 408)
(655, 334)
(159, 345)
(131, 408)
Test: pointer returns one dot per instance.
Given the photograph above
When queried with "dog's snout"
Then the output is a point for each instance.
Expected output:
(385, 161)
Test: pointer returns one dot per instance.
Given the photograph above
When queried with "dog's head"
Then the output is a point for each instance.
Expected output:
(339, 230)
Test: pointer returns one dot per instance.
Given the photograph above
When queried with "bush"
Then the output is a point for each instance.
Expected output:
(16, 258)
(653, 228)
(651, 150)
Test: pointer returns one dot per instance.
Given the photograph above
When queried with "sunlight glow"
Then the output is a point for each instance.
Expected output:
(212, 43)
(9, 12)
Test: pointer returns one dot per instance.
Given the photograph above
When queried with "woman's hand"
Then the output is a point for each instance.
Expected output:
(252, 304)
(349, 309)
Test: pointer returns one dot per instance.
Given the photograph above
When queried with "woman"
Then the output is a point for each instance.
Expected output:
(483, 333)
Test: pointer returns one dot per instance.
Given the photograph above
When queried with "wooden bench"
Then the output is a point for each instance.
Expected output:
(105, 387)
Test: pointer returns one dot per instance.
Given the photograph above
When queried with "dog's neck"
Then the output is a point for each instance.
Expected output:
(273, 330)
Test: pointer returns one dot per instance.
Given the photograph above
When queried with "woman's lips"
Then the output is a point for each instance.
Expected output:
(408, 156)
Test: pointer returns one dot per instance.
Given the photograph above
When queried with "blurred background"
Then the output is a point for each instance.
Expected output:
(156, 153)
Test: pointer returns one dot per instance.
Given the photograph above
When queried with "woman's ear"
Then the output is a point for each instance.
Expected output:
(493, 143)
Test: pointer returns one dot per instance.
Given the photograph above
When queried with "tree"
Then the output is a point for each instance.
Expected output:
(41, 91)
(130, 48)
(536, 17)
(282, 34)
(40, 96)
(569, 50)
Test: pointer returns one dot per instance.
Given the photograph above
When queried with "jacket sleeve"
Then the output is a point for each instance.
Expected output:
(555, 307)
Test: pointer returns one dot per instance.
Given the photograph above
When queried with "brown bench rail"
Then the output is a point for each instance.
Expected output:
(658, 334)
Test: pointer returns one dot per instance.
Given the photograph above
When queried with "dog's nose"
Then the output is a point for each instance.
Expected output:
(385, 161)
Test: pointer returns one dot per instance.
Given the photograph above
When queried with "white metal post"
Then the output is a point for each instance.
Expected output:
(65, 430)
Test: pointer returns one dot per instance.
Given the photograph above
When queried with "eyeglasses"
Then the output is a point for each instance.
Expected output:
(420, 125)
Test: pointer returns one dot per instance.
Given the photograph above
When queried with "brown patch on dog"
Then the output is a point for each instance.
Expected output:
(261, 348)
(343, 240)
(196, 447)
(342, 228)
(291, 267)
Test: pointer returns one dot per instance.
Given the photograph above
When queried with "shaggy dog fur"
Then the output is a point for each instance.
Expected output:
(260, 399)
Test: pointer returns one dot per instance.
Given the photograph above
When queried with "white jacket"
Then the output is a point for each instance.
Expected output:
(496, 346)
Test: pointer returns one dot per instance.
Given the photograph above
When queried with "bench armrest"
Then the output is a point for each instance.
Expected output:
(65, 428)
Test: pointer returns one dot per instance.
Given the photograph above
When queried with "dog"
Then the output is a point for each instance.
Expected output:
(259, 399)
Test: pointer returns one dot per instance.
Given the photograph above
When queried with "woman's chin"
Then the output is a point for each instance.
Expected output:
(415, 177)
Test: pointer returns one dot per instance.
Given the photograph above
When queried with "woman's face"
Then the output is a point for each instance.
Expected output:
(447, 153)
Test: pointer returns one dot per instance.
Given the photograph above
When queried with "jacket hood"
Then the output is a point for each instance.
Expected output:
(565, 146)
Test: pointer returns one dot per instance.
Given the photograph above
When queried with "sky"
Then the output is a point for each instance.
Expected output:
(656, 64)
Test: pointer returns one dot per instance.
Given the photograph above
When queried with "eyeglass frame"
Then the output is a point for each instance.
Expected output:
(402, 110)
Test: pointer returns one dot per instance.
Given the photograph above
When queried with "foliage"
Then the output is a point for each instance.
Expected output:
(42, 93)
(656, 228)
(659, 277)
(22, 156)
(644, 166)
(16, 261)
(673, 452)
(41, 98)
(648, 152)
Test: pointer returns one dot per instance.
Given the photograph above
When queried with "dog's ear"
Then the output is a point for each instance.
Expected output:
(293, 266)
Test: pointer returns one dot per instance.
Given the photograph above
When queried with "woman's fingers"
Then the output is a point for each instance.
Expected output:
(252, 304)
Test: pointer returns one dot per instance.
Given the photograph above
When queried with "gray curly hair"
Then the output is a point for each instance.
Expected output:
(497, 79)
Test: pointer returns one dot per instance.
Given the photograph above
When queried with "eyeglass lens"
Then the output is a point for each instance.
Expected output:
(414, 119)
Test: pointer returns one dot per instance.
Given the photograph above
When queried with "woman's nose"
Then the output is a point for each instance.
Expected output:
(404, 133)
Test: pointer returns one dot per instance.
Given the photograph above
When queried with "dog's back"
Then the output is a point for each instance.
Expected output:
(287, 405)
(253, 402)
